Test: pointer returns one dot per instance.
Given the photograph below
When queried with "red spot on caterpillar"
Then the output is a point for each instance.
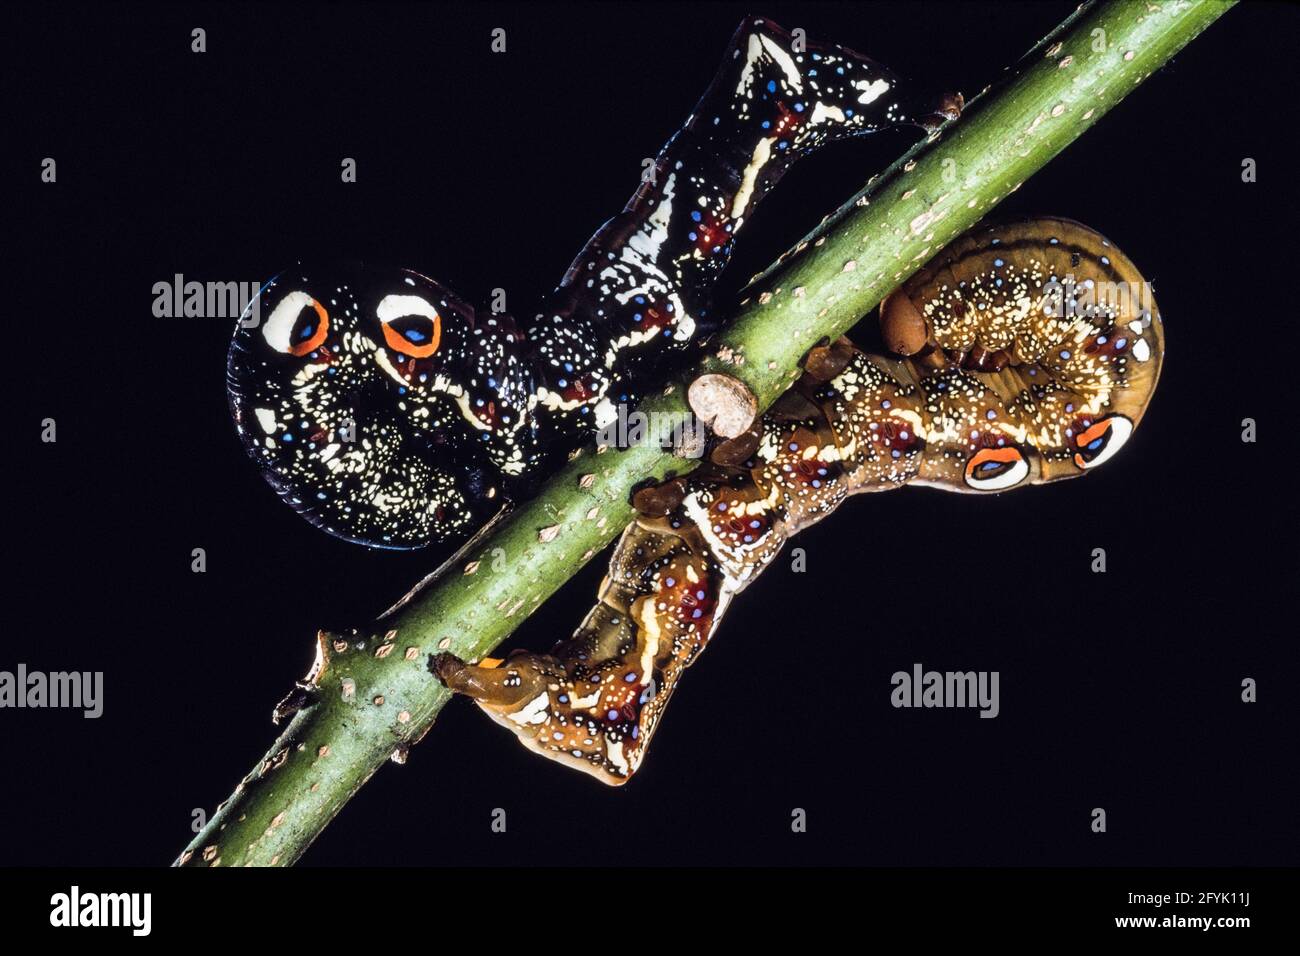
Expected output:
(690, 602)
(812, 473)
(412, 367)
(1107, 346)
(710, 234)
(579, 389)
(737, 528)
(631, 707)
(786, 121)
(896, 436)
(652, 318)
(980, 359)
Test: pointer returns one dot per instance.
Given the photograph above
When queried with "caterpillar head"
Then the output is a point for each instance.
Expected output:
(347, 386)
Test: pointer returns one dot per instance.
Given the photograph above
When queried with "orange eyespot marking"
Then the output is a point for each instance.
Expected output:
(1100, 440)
(310, 331)
(491, 662)
(993, 469)
(999, 455)
(415, 335)
(1091, 438)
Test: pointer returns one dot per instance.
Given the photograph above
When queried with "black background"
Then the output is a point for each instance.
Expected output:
(1118, 690)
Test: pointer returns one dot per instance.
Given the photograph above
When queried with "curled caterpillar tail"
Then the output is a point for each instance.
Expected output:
(1017, 367)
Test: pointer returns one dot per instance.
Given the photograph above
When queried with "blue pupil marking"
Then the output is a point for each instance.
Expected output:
(308, 331)
(415, 335)
(1095, 443)
(991, 466)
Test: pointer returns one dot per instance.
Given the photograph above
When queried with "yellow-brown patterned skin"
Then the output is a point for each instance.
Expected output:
(1030, 352)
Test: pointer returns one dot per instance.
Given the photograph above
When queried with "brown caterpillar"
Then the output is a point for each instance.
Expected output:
(1025, 353)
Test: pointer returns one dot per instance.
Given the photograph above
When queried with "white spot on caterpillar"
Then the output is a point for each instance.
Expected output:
(305, 375)
(785, 63)
(823, 112)
(754, 50)
(647, 242)
(265, 418)
(615, 754)
(533, 712)
(870, 91)
(650, 624)
(578, 703)
(605, 413)
(387, 366)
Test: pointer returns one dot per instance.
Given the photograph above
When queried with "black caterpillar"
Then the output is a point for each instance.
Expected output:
(388, 411)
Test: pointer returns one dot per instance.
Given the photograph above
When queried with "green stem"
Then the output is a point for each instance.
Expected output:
(373, 695)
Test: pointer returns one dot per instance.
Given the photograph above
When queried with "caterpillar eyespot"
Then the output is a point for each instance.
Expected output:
(996, 469)
(297, 326)
(1100, 441)
(1037, 332)
(411, 325)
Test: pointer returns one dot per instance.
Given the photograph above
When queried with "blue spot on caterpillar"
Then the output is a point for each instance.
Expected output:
(424, 411)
